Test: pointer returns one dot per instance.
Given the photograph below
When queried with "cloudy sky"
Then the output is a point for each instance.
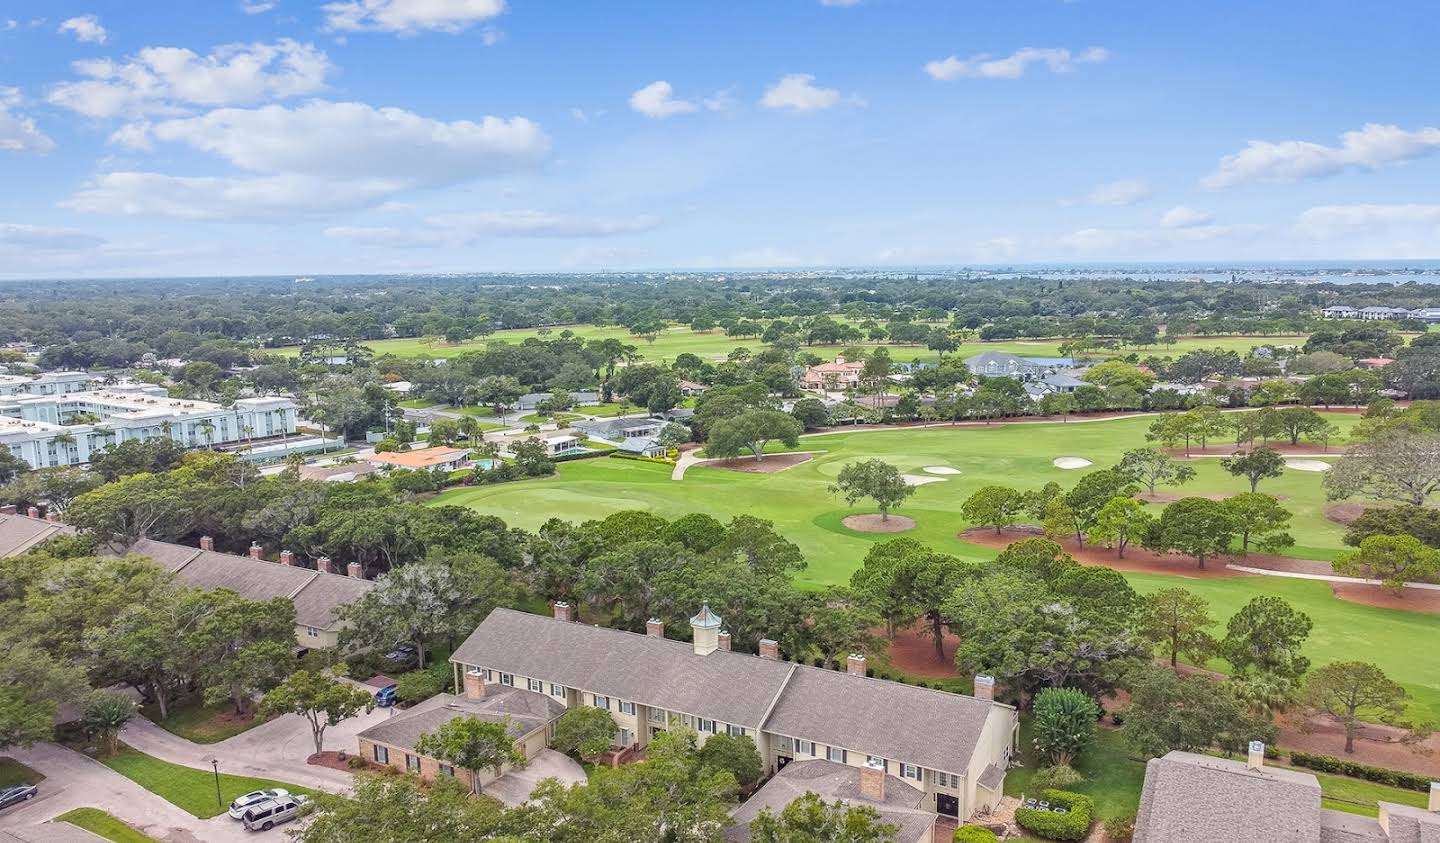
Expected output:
(296, 136)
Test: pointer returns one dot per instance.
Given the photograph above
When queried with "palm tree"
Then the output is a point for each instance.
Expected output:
(64, 442)
(207, 427)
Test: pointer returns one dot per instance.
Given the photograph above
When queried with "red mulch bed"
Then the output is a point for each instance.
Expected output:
(872, 523)
(769, 465)
(1425, 600)
(912, 651)
(1303, 449)
(1137, 560)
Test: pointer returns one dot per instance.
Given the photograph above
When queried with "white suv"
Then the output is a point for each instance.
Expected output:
(255, 797)
(272, 812)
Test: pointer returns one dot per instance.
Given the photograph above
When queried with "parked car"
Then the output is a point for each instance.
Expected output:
(402, 655)
(266, 815)
(255, 797)
(17, 794)
(385, 697)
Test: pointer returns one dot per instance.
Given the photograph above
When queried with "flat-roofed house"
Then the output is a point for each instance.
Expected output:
(951, 749)
(422, 459)
(1192, 798)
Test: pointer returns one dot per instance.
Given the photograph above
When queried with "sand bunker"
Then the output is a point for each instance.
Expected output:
(1307, 465)
(920, 479)
(1068, 463)
(940, 469)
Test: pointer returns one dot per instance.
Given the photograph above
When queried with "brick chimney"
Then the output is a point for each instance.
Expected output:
(256, 551)
(723, 639)
(9, 509)
(33, 512)
(475, 684)
(655, 628)
(207, 542)
(872, 780)
(563, 611)
(984, 687)
(1256, 759)
(287, 558)
(52, 516)
(769, 649)
(855, 665)
(322, 564)
(356, 570)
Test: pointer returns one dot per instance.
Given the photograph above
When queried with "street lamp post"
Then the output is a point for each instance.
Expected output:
(215, 764)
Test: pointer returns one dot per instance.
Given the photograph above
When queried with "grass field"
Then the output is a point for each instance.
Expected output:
(98, 822)
(187, 788)
(715, 345)
(12, 772)
(200, 723)
(1017, 455)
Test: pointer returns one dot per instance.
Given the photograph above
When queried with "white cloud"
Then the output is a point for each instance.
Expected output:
(1329, 219)
(797, 91)
(85, 28)
(1118, 193)
(1013, 66)
(1371, 147)
(490, 36)
(256, 8)
(1123, 243)
(1181, 216)
(9, 24)
(18, 133)
(409, 17)
(658, 100)
(20, 236)
(320, 156)
(526, 223)
(165, 80)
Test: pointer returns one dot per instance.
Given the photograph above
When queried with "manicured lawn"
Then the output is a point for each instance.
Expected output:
(715, 345)
(1112, 778)
(1017, 455)
(186, 787)
(419, 404)
(1357, 796)
(98, 822)
(195, 721)
(12, 772)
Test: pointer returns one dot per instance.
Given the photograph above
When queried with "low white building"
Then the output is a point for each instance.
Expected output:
(59, 425)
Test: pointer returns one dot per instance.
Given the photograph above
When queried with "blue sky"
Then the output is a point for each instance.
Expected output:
(475, 135)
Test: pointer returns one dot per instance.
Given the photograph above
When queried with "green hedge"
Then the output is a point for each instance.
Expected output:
(974, 834)
(1074, 824)
(621, 455)
(588, 455)
(1330, 764)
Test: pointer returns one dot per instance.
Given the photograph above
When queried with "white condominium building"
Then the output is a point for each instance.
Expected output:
(47, 422)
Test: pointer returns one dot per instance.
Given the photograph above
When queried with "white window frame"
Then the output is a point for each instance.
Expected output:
(507, 679)
(884, 765)
(412, 762)
(735, 731)
(910, 771)
(535, 685)
(381, 753)
(706, 726)
(557, 690)
(803, 747)
(830, 752)
(312, 632)
(627, 707)
(600, 701)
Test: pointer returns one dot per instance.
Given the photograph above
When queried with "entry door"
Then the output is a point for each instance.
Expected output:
(947, 805)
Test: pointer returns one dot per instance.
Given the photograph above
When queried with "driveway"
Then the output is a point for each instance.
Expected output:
(74, 781)
(514, 787)
(273, 750)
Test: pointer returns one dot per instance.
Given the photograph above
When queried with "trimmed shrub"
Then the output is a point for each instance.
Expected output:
(621, 455)
(1381, 775)
(1074, 824)
(974, 834)
(1059, 777)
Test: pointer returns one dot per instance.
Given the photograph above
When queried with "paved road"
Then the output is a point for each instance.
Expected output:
(74, 781)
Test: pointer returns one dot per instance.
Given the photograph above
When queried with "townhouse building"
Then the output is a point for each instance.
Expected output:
(951, 751)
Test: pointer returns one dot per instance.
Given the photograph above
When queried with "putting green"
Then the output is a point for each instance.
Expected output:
(1018, 455)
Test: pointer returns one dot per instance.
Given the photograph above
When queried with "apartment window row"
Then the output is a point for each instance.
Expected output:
(796, 747)
(714, 727)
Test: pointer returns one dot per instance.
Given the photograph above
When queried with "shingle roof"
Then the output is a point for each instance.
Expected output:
(627, 666)
(941, 729)
(19, 533)
(316, 595)
(831, 781)
(526, 710)
(1190, 798)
